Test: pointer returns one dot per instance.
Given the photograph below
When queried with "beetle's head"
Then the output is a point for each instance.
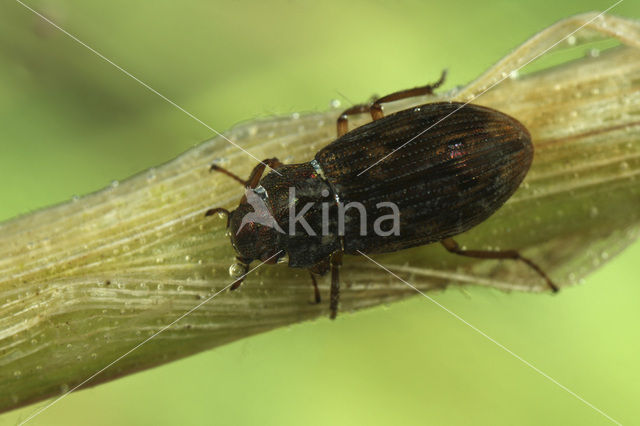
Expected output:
(254, 235)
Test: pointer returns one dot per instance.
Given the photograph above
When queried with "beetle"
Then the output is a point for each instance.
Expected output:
(443, 181)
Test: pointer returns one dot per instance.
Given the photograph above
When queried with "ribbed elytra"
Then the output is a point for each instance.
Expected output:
(421, 186)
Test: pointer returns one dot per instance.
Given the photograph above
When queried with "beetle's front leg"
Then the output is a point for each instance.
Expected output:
(258, 170)
(254, 178)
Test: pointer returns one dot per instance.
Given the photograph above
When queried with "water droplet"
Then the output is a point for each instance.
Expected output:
(114, 184)
(160, 286)
(180, 288)
(513, 75)
(187, 258)
(94, 355)
(334, 103)
(75, 198)
(237, 270)
(593, 212)
(295, 115)
(69, 345)
(151, 175)
(604, 255)
(594, 53)
(571, 40)
(34, 341)
(17, 373)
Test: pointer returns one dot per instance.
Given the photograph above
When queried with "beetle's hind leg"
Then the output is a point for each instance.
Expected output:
(375, 108)
(453, 247)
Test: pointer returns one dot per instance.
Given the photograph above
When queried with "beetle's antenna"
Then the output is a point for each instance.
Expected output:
(211, 212)
(217, 168)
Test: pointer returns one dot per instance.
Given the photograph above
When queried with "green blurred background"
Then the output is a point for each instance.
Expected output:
(70, 123)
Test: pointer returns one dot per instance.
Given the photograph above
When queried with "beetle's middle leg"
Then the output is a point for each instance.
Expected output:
(336, 263)
(319, 268)
(316, 292)
(453, 247)
(375, 108)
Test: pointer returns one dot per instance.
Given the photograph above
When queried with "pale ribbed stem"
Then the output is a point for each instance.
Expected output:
(84, 282)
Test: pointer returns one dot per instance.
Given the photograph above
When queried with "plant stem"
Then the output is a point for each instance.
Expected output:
(84, 282)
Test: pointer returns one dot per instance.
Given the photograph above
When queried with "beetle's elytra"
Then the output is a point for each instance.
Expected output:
(441, 183)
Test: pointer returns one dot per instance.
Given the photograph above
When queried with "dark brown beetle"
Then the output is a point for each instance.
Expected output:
(443, 181)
